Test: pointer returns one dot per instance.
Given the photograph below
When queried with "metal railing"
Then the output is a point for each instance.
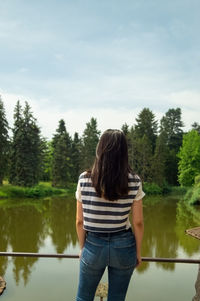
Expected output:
(55, 255)
(102, 291)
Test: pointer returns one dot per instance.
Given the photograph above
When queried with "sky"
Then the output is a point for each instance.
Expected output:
(108, 59)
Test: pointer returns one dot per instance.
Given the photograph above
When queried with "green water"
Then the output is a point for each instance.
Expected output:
(49, 226)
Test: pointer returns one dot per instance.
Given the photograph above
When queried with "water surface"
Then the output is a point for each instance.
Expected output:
(49, 226)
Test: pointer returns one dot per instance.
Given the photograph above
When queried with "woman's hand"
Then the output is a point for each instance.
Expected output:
(80, 252)
(139, 261)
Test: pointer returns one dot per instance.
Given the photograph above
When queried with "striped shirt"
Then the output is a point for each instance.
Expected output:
(101, 215)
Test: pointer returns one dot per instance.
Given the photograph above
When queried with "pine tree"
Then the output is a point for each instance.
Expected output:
(133, 149)
(4, 142)
(26, 148)
(75, 157)
(147, 125)
(125, 129)
(46, 162)
(61, 163)
(159, 159)
(171, 124)
(196, 126)
(16, 153)
(140, 155)
(145, 159)
(90, 140)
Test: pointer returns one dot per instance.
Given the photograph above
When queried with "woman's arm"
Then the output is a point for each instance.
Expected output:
(138, 226)
(79, 224)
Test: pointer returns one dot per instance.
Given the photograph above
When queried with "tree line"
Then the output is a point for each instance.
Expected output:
(160, 153)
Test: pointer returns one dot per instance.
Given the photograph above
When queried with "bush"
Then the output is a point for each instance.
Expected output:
(179, 190)
(166, 188)
(193, 196)
(151, 188)
(197, 180)
(42, 190)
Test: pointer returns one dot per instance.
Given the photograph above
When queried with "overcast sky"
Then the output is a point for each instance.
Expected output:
(74, 59)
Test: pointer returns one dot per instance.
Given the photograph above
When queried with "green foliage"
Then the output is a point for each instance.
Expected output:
(147, 125)
(4, 142)
(32, 158)
(41, 190)
(171, 125)
(89, 142)
(178, 190)
(166, 188)
(159, 160)
(61, 162)
(125, 129)
(192, 196)
(187, 217)
(25, 157)
(189, 155)
(140, 155)
(197, 181)
(196, 127)
(75, 158)
(151, 188)
(46, 162)
(145, 158)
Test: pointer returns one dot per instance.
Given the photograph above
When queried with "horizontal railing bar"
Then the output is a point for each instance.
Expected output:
(172, 260)
(48, 255)
(145, 259)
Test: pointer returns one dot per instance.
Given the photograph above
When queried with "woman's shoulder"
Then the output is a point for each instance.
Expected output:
(85, 175)
(132, 177)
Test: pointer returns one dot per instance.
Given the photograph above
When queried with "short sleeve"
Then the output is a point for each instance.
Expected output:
(78, 192)
(140, 194)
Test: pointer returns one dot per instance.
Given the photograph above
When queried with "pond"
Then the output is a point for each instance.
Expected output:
(48, 226)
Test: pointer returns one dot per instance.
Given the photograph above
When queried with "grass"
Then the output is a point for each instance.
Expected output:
(43, 189)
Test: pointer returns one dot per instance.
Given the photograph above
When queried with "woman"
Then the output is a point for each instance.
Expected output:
(105, 196)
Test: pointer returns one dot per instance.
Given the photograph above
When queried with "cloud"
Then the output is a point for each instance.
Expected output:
(48, 116)
(186, 98)
(84, 59)
(189, 102)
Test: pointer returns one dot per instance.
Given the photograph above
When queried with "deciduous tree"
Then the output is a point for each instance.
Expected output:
(189, 155)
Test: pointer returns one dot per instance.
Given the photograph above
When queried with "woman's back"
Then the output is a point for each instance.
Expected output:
(101, 215)
(105, 196)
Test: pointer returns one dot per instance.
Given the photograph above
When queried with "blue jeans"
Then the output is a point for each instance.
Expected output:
(117, 251)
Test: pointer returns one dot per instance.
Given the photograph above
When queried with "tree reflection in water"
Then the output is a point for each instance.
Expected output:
(4, 221)
(166, 220)
(24, 226)
(62, 223)
(197, 287)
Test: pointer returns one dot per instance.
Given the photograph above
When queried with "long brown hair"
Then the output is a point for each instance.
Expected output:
(110, 170)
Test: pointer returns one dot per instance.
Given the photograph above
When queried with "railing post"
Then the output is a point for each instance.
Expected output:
(102, 291)
(2, 285)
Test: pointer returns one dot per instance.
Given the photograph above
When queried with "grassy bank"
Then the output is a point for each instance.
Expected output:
(155, 189)
(43, 189)
(192, 196)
